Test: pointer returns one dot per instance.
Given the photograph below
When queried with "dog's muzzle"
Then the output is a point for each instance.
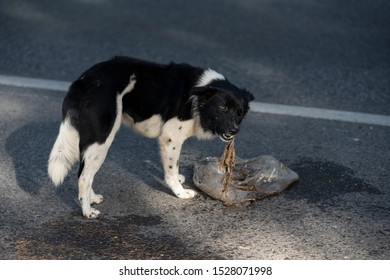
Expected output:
(227, 137)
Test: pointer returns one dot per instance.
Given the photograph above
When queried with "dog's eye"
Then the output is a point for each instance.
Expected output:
(224, 108)
(240, 112)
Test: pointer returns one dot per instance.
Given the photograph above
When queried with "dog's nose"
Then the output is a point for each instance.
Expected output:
(233, 131)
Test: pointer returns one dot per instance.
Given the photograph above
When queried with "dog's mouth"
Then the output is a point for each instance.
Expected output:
(226, 138)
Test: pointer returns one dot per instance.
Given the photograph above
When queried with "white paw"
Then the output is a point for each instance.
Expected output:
(185, 194)
(92, 213)
(96, 198)
(182, 179)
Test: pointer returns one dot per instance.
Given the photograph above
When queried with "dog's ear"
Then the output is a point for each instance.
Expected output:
(248, 96)
(205, 92)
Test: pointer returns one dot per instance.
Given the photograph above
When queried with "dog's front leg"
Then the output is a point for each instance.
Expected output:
(170, 148)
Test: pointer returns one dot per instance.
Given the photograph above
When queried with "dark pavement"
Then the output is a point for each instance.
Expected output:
(331, 54)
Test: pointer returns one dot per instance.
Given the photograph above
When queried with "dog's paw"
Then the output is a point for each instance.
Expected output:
(96, 198)
(185, 194)
(92, 213)
(182, 179)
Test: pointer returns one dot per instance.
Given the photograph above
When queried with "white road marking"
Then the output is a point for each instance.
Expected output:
(34, 83)
(318, 113)
(257, 107)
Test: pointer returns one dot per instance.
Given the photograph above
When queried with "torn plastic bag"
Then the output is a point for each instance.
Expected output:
(240, 182)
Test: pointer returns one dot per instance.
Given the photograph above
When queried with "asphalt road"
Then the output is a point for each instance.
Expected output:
(332, 55)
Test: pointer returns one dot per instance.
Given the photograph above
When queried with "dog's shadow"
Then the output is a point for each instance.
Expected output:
(30, 146)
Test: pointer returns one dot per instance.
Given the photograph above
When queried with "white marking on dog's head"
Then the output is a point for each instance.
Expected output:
(208, 76)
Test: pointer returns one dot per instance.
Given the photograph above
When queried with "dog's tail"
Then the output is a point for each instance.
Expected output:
(65, 152)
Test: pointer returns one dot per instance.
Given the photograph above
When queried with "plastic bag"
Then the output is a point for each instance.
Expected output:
(240, 182)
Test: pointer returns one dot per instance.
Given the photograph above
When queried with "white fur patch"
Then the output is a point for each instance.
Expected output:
(150, 127)
(65, 152)
(179, 129)
(174, 133)
(119, 107)
(154, 127)
(130, 85)
(208, 76)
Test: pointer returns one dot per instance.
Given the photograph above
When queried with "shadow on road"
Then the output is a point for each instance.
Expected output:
(30, 146)
(321, 181)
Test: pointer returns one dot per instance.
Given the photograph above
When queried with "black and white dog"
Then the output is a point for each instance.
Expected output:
(170, 102)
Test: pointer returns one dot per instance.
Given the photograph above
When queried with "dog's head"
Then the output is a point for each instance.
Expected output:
(221, 106)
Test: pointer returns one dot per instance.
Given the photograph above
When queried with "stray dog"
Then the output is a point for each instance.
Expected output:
(170, 102)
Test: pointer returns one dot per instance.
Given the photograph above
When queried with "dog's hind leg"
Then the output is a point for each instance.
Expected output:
(92, 160)
(93, 154)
